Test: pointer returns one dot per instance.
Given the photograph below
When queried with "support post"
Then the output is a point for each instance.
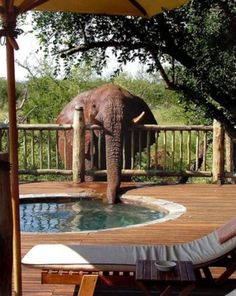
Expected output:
(78, 162)
(13, 148)
(6, 227)
(0, 140)
(218, 153)
(229, 156)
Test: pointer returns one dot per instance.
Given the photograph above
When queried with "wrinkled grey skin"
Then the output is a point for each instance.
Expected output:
(113, 108)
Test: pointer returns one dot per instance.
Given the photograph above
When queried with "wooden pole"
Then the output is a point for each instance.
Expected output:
(6, 230)
(229, 155)
(78, 165)
(13, 136)
(10, 23)
(218, 153)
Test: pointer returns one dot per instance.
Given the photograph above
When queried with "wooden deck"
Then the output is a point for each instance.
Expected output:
(208, 206)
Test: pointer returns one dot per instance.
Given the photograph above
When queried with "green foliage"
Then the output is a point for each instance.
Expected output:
(198, 40)
(3, 93)
(47, 95)
(168, 106)
(153, 91)
(209, 43)
(20, 92)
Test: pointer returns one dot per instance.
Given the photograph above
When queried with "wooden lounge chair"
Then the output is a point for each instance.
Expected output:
(112, 264)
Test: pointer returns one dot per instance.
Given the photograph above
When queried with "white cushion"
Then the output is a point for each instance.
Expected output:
(124, 257)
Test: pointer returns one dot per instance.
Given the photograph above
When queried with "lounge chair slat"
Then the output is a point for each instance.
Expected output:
(88, 285)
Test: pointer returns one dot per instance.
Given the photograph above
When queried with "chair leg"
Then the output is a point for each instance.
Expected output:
(198, 274)
(88, 285)
(143, 288)
(208, 274)
(225, 275)
(167, 291)
(76, 290)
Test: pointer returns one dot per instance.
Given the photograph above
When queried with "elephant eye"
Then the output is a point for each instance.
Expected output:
(94, 106)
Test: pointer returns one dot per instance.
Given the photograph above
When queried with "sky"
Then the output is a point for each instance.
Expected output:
(27, 51)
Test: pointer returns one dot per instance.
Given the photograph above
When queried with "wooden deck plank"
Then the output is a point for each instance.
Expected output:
(208, 207)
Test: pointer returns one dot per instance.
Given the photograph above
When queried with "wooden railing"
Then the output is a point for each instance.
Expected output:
(38, 148)
(176, 151)
(153, 150)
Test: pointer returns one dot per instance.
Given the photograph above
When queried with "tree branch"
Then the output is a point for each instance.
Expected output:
(26, 67)
(170, 84)
(23, 101)
(211, 109)
(101, 44)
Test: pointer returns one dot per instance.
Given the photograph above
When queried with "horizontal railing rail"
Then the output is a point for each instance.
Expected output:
(38, 148)
(148, 150)
(175, 151)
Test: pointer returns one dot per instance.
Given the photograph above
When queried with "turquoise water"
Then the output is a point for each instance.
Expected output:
(84, 215)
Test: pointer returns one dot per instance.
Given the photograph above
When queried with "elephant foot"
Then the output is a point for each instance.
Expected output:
(95, 178)
(112, 196)
(89, 178)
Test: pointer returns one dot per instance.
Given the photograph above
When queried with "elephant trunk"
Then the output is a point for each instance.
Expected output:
(114, 166)
(114, 145)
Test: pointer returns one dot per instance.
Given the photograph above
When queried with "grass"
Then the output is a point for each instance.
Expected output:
(169, 115)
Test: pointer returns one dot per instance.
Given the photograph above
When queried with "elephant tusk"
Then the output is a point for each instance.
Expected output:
(137, 119)
(96, 121)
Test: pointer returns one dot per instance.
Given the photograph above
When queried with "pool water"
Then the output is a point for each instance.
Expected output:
(84, 215)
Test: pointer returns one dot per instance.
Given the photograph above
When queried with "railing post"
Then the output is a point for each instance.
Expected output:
(218, 153)
(229, 155)
(0, 139)
(6, 227)
(78, 161)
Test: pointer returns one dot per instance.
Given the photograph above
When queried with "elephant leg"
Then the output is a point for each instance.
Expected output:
(88, 178)
(96, 159)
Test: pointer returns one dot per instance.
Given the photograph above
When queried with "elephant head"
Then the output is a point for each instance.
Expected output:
(115, 110)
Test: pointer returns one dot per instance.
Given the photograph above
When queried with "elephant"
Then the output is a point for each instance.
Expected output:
(115, 110)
